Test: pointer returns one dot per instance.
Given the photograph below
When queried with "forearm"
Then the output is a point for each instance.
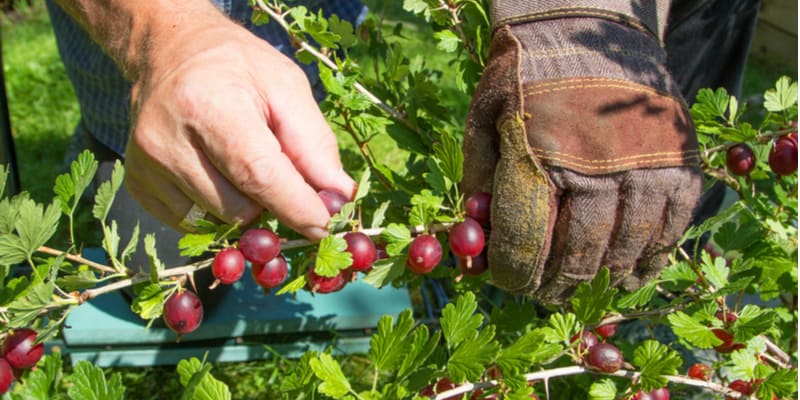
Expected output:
(133, 33)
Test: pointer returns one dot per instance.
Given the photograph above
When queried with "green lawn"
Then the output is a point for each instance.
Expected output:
(43, 114)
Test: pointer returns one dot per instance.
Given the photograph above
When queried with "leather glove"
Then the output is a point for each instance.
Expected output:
(583, 139)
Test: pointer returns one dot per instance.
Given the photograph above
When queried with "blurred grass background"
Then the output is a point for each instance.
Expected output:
(44, 112)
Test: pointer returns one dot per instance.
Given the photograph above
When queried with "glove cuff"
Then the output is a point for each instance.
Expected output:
(647, 16)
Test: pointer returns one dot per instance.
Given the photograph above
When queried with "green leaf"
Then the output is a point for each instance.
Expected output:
(742, 364)
(292, 287)
(391, 342)
(470, 358)
(300, 376)
(712, 104)
(12, 250)
(752, 322)
(604, 389)
(363, 185)
(385, 271)
(640, 297)
(343, 218)
(332, 256)
(89, 383)
(196, 244)
(654, 361)
(459, 320)
(195, 376)
(562, 327)
(36, 225)
(425, 207)
(415, 6)
(3, 179)
(422, 346)
(692, 331)
(334, 383)
(781, 383)
(156, 266)
(591, 301)
(69, 187)
(379, 214)
(26, 307)
(447, 41)
(715, 271)
(42, 382)
(397, 237)
(149, 301)
(448, 151)
(343, 29)
(107, 191)
(517, 358)
(733, 236)
(678, 276)
(83, 279)
(130, 248)
(783, 96)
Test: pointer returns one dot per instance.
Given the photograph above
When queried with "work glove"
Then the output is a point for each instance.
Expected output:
(584, 141)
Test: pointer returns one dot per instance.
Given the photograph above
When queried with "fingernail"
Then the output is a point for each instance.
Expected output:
(316, 233)
(346, 183)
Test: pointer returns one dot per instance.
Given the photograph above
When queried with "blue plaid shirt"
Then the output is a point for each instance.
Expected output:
(104, 94)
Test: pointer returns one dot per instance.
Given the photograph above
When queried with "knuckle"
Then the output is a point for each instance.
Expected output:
(255, 176)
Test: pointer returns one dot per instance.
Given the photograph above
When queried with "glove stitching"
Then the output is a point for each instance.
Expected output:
(578, 12)
(585, 83)
(678, 157)
(611, 160)
(572, 51)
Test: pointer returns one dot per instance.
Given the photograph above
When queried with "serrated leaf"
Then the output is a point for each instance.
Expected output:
(518, 357)
(294, 286)
(564, 327)
(89, 383)
(781, 383)
(42, 382)
(391, 342)
(422, 346)
(334, 383)
(379, 215)
(301, 375)
(448, 151)
(363, 185)
(715, 271)
(604, 389)
(196, 244)
(12, 251)
(36, 225)
(459, 320)
(84, 279)
(149, 301)
(783, 96)
(692, 331)
(470, 358)
(332, 256)
(733, 236)
(447, 41)
(397, 237)
(343, 218)
(26, 307)
(591, 300)
(385, 271)
(654, 361)
(640, 297)
(156, 265)
(3, 179)
(130, 248)
(752, 321)
(742, 364)
(107, 191)
(415, 6)
(195, 376)
(425, 207)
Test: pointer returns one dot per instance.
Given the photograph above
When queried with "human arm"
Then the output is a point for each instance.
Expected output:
(219, 117)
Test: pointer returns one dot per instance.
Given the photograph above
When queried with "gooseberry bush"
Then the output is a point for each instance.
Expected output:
(720, 321)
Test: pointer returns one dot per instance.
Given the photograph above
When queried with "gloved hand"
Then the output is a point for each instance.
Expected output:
(583, 139)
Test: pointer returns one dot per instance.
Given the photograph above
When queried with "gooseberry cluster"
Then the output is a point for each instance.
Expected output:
(741, 160)
(19, 352)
